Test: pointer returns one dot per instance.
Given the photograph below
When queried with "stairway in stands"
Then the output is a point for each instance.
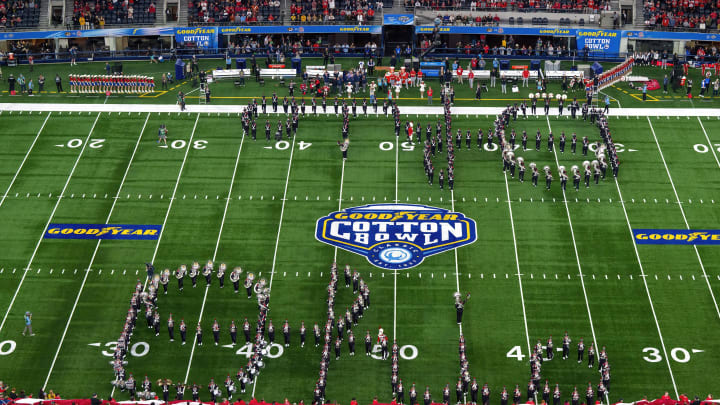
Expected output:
(639, 20)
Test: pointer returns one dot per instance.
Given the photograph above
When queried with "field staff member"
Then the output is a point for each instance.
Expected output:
(28, 324)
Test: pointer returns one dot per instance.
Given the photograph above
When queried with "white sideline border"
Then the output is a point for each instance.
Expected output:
(406, 110)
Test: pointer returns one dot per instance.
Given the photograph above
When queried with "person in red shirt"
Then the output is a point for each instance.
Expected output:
(353, 402)
(412, 78)
(459, 72)
(471, 77)
(429, 94)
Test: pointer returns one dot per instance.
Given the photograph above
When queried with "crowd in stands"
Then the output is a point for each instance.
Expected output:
(682, 14)
(334, 11)
(262, 45)
(95, 14)
(465, 19)
(233, 12)
(19, 13)
(506, 47)
(578, 6)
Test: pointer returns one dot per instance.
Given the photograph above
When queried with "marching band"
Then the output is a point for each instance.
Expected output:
(111, 83)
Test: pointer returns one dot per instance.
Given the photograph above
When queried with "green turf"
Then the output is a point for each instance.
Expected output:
(553, 293)
(225, 92)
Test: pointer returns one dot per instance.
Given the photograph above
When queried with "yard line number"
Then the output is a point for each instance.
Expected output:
(273, 351)
(702, 148)
(678, 354)
(139, 349)
(7, 347)
(407, 352)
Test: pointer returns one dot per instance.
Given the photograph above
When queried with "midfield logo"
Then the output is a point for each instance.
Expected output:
(396, 236)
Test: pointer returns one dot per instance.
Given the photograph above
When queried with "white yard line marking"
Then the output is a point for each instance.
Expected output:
(277, 238)
(397, 175)
(647, 289)
(172, 200)
(457, 273)
(237, 109)
(682, 211)
(217, 246)
(24, 159)
(92, 259)
(342, 179)
(517, 263)
(577, 256)
(177, 183)
(52, 214)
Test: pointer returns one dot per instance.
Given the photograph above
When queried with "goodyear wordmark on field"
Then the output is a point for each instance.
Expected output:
(676, 237)
(103, 231)
(396, 236)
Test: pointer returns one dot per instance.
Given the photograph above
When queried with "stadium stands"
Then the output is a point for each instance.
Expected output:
(585, 6)
(334, 11)
(673, 14)
(19, 14)
(89, 14)
(234, 12)
(475, 21)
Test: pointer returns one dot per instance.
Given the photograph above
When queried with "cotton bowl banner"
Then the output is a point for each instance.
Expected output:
(202, 37)
(398, 19)
(396, 236)
(605, 41)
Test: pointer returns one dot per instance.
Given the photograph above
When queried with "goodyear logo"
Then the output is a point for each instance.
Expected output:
(676, 237)
(393, 236)
(555, 31)
(195, 31)
(354, 29)
(225, 30)
(86, 231)
(598, 33)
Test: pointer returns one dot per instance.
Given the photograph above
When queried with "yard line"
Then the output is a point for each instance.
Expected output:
(177, 183)
(682, 211)
(395, 272)
(457, 273)
(517, 263)
(52, 214)
(92, 259)
(217, 245)
(342, 178)
(277, 239)
(577, 256)
(647, 289)
(172, 199)
(24, 159)
(710, 145)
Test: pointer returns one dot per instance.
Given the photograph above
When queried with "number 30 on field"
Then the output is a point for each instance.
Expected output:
(678, 354)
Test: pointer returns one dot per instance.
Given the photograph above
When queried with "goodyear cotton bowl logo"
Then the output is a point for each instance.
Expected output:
(396, 236)
(85, 231)
(676, 237)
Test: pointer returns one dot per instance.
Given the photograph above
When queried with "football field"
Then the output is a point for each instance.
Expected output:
(545, 262)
